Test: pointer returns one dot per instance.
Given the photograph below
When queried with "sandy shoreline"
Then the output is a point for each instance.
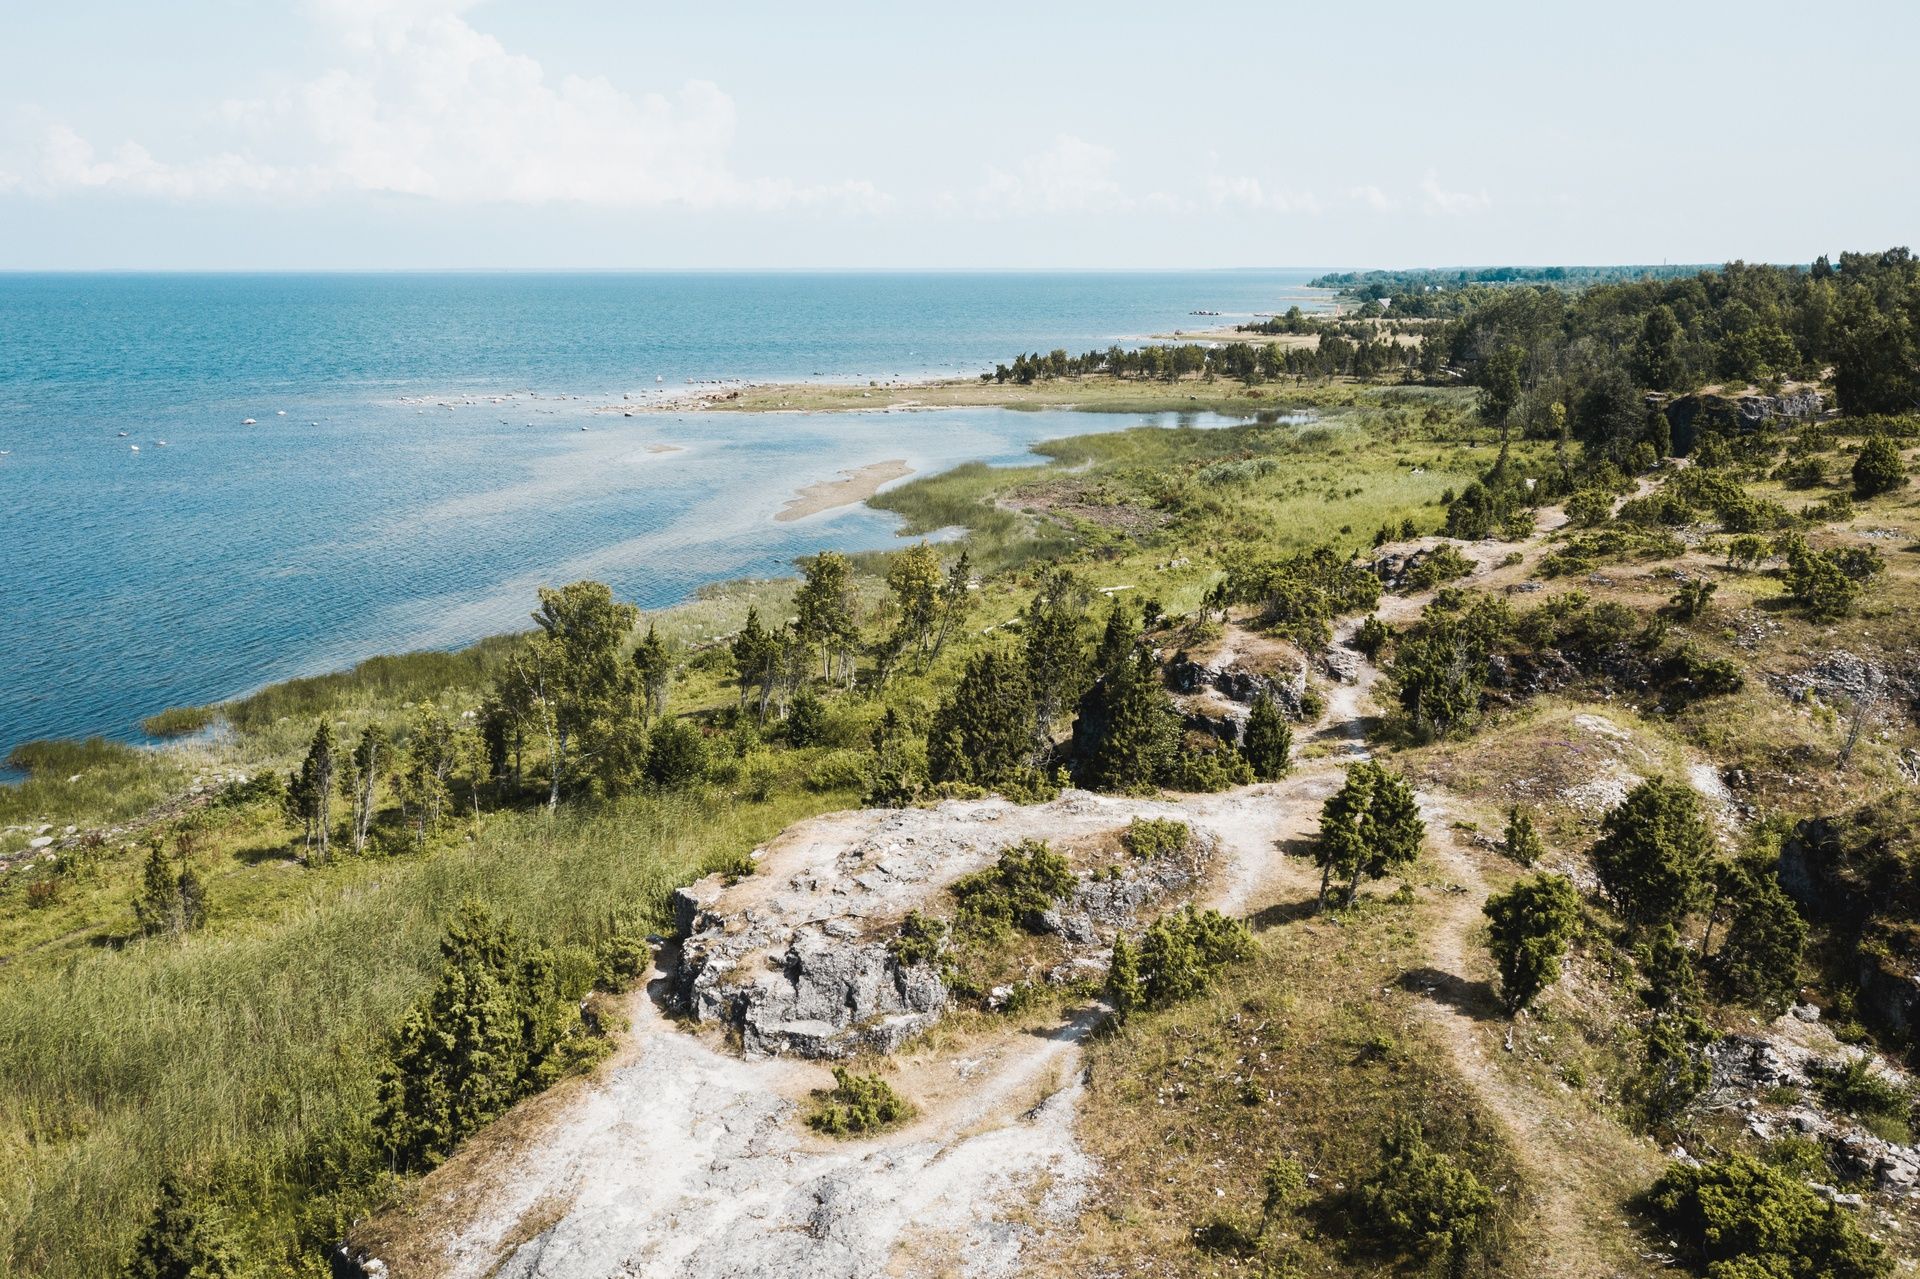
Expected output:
(856, 485)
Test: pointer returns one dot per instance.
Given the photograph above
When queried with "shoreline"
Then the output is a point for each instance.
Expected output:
(1094, 395)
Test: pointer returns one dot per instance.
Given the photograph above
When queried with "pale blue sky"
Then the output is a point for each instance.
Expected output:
(632, 133)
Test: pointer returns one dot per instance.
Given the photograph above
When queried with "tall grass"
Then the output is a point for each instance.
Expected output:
(250, 1049)
(92, 780)
(377, 682)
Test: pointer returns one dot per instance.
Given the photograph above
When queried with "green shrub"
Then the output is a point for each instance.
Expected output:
(1878, 469)
(1828, 584)
(1152, 837)
(1268, 743)
(1737, 1218)
(1425, 1203)
(1023, 885)
(1835, 508)
(806, 719)
(1853, 1086)
(1444, 563)
(488, 1034)
(838, 770)
(1589, 508)
(1204, 772)
(1530, 925)
(676, 754)
(1522, 841)
(1178, 957)
(1372, 637)
(857, 1105)
(921, 940)
(1653, 853)
(1583, 552)
(186, 1238)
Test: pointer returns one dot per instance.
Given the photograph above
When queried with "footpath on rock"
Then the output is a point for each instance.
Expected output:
(685, 1154)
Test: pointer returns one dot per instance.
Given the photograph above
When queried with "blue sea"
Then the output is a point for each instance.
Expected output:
(416, 464)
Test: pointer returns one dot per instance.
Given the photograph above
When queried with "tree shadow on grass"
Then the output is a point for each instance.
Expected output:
(1475, 998)
(263, 853)
(1283, 913)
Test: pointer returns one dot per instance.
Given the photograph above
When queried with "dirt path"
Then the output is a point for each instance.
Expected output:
(1571, 1158)
(681, 1158)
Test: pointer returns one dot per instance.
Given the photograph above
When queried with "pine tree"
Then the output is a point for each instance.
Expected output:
(653, 667)
(184, 1239)
(432, 751)
(1760, 959)
(898, 771)
(1117, 640)
(1126, 733)
(573, 675)
(481, 1039)
(676, 755)
(360, 772)
(828, 612)
(1056, 652)
(1522, 842)
(1653, 853)
(1672, 986)
(1530, 925)
(1369, 828)
(1879, 468)
(1269, 741)
(983, 733)
(310, 792)
(756, 662)
(171, 899)
(913, 576)
(956, 599)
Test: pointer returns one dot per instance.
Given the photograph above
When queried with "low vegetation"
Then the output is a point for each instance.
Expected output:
(857, 1106)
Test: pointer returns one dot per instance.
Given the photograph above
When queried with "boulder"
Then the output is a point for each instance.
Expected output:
(829, 997)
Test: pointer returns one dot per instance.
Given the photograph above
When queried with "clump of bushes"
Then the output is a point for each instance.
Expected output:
(1300, 594)
(1828, 584)
(857, 1105)
(1853, 1086)
(1207, 771)
(1444, 563)
(1737, 1216)
(1023, 885)
(1425, 1203)
(1178, 957)
(921, 940)
(1614, 544)
(1152, 837)
(498, 1025)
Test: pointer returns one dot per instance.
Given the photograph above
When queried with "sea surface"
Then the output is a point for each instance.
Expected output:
(416, 466)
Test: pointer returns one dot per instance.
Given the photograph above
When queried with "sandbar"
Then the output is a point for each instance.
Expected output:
(855, 485)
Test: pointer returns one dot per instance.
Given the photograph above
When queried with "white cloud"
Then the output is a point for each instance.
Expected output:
(1371, 197)
(1251, 193)
(1071, 176)
(1437, 199)
(421, 103)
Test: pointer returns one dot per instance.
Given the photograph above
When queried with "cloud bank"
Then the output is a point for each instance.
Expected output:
(422, 104)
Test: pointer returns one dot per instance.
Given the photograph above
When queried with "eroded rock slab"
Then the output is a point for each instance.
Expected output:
(795, 957)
